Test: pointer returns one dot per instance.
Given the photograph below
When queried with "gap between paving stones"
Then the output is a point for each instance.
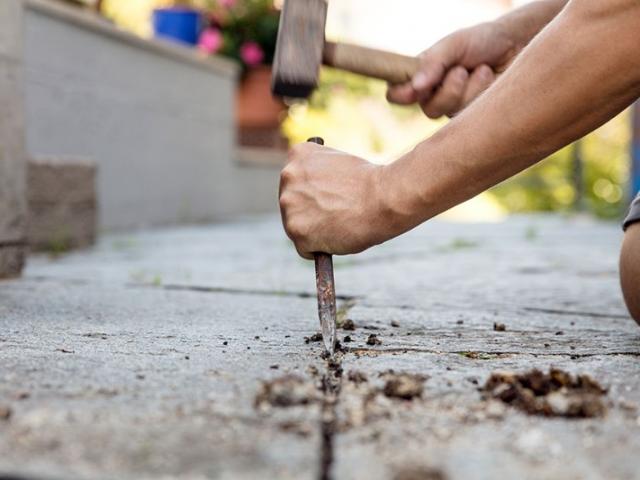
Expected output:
(199, 289)
(238, 291)
(381, 351)
(330, 389)
(575, 313)
(525, 308)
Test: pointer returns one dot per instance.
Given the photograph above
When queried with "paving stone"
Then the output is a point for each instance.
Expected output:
(130, 383)
(100, 339)
(452, 429)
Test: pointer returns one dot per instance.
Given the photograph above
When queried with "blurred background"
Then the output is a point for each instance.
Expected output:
(352, 114)
(167, 105)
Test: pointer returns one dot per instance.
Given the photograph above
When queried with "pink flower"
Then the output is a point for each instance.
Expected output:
(210, 41)
(251, 54)
(228, 3)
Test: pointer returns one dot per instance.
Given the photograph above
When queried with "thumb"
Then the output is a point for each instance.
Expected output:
(435, 62)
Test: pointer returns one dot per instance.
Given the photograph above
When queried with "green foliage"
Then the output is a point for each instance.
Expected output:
(549, 185)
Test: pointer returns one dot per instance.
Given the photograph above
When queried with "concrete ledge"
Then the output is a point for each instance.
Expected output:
(260, 157)
(12, 260)
(90, 21)
(62, 203)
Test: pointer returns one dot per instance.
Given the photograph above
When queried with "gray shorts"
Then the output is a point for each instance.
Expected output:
(634, 213)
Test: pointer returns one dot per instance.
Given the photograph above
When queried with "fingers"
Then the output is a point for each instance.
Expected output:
(458, 90)
(403, 94)
(481, 79)
(296, 230)
(448, 98)
(434, 65)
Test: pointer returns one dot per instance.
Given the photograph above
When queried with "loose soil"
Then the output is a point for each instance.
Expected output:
(556, 393)
(285, 391)
(404, 385)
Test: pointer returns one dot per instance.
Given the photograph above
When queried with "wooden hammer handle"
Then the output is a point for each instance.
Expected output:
(392, 67)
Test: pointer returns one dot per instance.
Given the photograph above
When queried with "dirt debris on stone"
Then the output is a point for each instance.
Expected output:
(477, 355)
(419, 473)
(316, 337)
(64, 350)
(20, 395)
(373, 340)
(556, 393)
(357, 377)
(335, 367)
(404, 385)
(285, 391)
(298, 428)
(348, 325)
(347, 339)
(5, 412)
(499, 327)
(102, 336)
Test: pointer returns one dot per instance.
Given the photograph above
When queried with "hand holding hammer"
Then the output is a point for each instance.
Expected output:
(301, 49)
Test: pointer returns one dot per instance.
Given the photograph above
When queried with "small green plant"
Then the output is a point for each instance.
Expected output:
(59, 244)
(459, 244)
(531, 234)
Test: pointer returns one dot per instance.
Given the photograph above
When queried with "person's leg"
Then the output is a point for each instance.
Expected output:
(630, 270)
(630, 260)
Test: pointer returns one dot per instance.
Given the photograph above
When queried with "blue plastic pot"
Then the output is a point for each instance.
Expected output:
(177, 24)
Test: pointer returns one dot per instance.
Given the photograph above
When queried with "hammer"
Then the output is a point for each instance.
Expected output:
(301, 49)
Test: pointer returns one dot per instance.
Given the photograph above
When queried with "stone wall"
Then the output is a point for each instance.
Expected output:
(12, 156)
(156, 118)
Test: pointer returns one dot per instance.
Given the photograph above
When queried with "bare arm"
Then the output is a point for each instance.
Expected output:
(526, 22)
(578, 73)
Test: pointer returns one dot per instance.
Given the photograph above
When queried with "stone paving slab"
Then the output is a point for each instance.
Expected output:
(137, 383)
(114, 365)
(452, 430)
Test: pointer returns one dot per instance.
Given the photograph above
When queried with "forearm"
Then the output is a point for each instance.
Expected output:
(526, 22)
(577, 74)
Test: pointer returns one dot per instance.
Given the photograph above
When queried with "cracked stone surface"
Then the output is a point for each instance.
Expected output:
(142, 357)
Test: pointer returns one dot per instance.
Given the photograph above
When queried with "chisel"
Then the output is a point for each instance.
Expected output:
(325, 286)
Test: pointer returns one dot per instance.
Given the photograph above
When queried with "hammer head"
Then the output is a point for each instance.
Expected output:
(296, 64)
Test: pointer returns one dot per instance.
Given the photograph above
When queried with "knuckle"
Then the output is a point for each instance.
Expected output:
(284, 201)
(286, 175)
(297, 229)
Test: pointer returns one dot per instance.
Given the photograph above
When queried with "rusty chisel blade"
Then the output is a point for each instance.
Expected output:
(326, 291)
(326, 300)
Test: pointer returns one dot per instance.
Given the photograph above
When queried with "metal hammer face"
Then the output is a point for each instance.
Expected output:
(298, 56)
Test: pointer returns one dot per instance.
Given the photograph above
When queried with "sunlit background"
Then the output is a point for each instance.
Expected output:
(352, 114)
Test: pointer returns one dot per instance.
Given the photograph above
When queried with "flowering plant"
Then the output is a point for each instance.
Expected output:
(244, 30)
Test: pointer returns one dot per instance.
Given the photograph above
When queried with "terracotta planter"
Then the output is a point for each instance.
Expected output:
(258, 113)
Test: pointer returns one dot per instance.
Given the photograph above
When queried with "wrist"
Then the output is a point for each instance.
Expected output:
(403, 198)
